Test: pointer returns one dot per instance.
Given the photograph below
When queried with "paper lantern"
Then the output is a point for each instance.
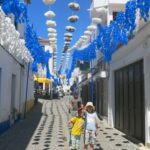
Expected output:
(68, 34)
(66, 42)
(10, 39)
(73, 18)
(51, 30)
(74, 6)
(52, 34)
(49, 14)
(51, 23)
(96, 20)
(67, 39)
(49, 2)
(92, 27)
(52, 39)
(87, 33)
(70, 28)
(84, 37)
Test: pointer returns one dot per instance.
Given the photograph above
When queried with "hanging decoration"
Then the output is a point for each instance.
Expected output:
(51, 23)
(51, 30)
(49, 2)
(73, 18)
(96, 21)
(70, 28)
(49, 14)
(144, 7)
(74, 6)
(92, 27)
(16, 7)
(87, 54)
(10, 39)
(36, 50)
(117, 32)
(52, 33)
(87, 33)
(19, 10)
(68, 36)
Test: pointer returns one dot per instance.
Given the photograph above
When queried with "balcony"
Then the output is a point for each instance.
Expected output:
(98, 9)
(117, 5)
(117, 1)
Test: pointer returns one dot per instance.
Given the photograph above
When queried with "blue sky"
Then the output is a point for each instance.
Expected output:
(36, 12)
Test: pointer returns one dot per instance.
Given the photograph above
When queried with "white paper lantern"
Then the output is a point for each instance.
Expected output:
(52, 34)
(10, 39)
(87, 33)
(52, 39)
(49, 2)
(91, 27)
(66, 42)
(51, 30)
(67, 38)
(51, 23)
(73, 18)
(49, 14)
(70, 28)
(96, 20)
(68, 34)
(84, 37)
(74, 6)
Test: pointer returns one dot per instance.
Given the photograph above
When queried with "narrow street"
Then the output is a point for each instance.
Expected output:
(48, 131)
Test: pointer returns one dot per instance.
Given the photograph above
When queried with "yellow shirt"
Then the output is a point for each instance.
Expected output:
(78, 124)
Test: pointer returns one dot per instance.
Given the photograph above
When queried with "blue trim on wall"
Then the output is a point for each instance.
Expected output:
(6, 124)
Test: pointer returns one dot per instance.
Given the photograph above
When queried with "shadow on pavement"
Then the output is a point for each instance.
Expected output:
(19, 135)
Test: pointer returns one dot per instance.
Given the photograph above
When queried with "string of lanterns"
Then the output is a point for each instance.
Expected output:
(52, 34)
(74, 6)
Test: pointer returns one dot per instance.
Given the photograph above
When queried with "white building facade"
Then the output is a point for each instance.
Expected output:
(123, 98)
(16, 96)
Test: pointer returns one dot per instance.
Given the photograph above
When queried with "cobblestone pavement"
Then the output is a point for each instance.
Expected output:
(49, 131)
(19, 135)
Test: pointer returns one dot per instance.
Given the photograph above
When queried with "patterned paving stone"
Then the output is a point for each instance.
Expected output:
(50, 131)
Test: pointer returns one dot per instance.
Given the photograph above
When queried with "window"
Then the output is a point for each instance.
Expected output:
(114, 15)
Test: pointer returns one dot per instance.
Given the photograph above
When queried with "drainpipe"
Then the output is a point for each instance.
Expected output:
(26, 90)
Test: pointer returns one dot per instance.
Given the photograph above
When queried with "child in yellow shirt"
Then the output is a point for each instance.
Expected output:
(77, 129)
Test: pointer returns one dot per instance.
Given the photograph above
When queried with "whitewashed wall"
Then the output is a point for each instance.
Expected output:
(8, 67)
(137, 49)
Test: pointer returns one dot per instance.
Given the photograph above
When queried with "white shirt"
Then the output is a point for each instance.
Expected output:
(91, 120)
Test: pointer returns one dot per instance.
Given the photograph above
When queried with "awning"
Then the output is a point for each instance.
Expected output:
(42, 80)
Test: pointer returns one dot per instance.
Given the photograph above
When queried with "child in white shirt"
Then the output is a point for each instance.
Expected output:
(91, 126)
